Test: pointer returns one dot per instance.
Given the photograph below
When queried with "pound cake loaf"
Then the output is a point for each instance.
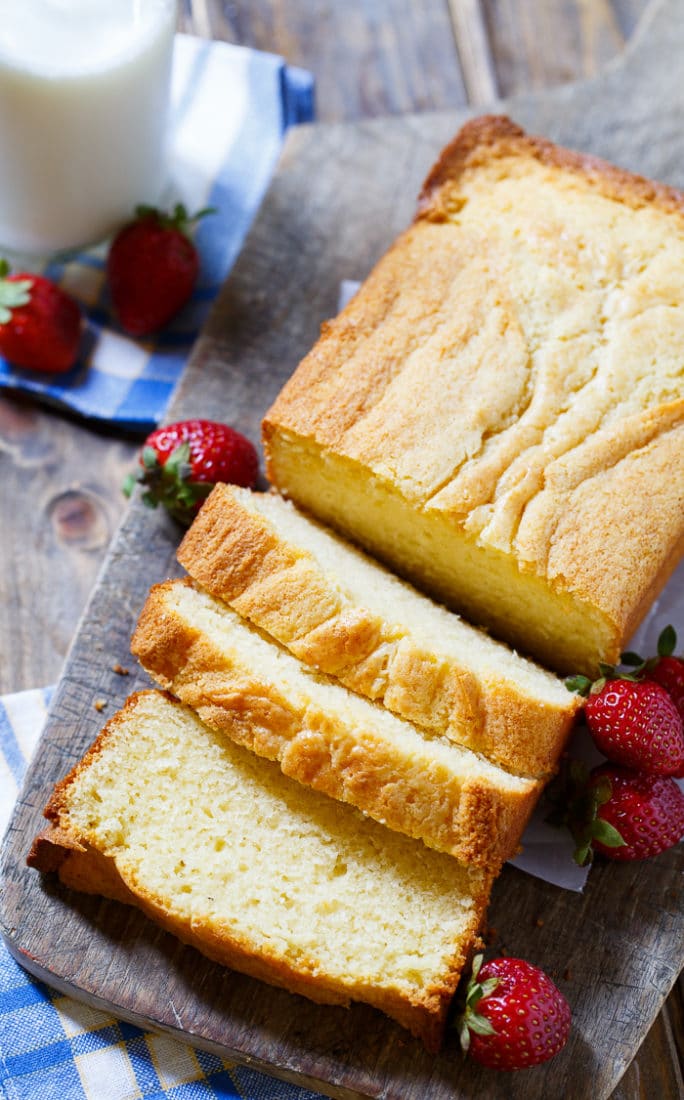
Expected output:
(499, 411)
(325, 736)
(340, 612)
(259, 873)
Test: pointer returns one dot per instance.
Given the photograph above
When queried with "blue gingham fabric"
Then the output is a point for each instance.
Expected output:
(55, 1048)
(230, 107)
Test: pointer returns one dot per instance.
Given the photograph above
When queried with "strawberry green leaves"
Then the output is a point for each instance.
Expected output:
(576, 803)
(13, 293)
(514, 1016)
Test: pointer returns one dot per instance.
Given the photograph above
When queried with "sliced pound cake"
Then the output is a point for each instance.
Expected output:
(340, 612)
(499, 411)
(258, 872)
(253, 690)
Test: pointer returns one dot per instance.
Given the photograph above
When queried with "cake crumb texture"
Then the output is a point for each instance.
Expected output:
(506, 393)
(260, 873)
(343, 614)
(327, 737)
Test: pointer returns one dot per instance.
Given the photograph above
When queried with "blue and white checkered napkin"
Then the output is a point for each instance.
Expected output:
(54, 1048)
(230, 109)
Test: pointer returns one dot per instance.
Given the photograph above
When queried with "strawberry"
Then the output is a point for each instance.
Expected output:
(152, 268)
(632, 718)
(180, 464)
(40, 325)
(646, 810)
(669, 673)
(638, 725)
(621, 813)
(514, 1017)
(666, 669)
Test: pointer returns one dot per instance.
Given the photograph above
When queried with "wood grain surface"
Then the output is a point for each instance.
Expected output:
(71, 476)
(615, 951)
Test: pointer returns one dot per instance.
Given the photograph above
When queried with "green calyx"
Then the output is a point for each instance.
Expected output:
(667, 643)
(12, 293)
(178, 218)
(639, 667)
(575, 803)
(169, 483)
(470, 1020)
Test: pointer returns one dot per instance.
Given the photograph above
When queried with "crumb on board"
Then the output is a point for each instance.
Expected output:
(119, 669)
(100, 705)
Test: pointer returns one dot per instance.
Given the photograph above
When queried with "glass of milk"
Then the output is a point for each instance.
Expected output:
(84, 90)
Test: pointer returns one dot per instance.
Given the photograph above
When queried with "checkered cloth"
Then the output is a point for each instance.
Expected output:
(230, 109)
(54, 1047)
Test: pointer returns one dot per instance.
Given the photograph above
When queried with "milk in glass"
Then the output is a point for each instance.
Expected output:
(84, 90)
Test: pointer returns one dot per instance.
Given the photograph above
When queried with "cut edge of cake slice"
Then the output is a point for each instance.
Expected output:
(323, 735)
(342, 613)
(259, 873)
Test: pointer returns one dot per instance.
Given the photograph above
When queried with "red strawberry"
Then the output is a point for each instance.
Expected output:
(515, 1016)
(621, 813)
(152, 268)
(647, 811)
(40, 325)
(633, 718)
(669, 673)
(636, 723)
(666, 669)
(182, 462)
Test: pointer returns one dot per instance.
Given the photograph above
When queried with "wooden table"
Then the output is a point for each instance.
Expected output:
(59, 481)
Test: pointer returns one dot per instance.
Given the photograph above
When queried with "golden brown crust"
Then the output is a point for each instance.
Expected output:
(498, 136)
(236, 554)
(622, 494)
(411, 792)
(556, 357)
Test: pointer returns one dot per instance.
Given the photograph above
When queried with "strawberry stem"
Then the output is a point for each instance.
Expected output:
(586, 687)
(575, 802)
(580, 684)
(470, 1019)
(178, 218)
(667, 642)
(13, 293)
(169, 483)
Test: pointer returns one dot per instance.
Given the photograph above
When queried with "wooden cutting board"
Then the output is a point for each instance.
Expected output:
(339, 197)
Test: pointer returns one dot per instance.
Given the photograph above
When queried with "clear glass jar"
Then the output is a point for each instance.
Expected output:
(84, 93)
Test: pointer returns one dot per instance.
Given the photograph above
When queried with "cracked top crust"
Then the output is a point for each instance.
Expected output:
(516, 362)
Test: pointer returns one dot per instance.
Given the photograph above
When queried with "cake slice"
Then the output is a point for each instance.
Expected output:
(325, 736)
(499, 411)
(259, 873)
(339, 611)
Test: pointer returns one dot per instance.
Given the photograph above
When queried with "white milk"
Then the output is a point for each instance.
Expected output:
(83, 103)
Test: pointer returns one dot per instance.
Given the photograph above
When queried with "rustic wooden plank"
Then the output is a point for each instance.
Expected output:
(627, 15)
(623, 940)
(61, 512)
(369, 57)
(474, 51)
(199, 16)
(510, 44)
(541, 45)
(657, 1069)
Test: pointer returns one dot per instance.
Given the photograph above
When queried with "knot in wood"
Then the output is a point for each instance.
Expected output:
(79, 520)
